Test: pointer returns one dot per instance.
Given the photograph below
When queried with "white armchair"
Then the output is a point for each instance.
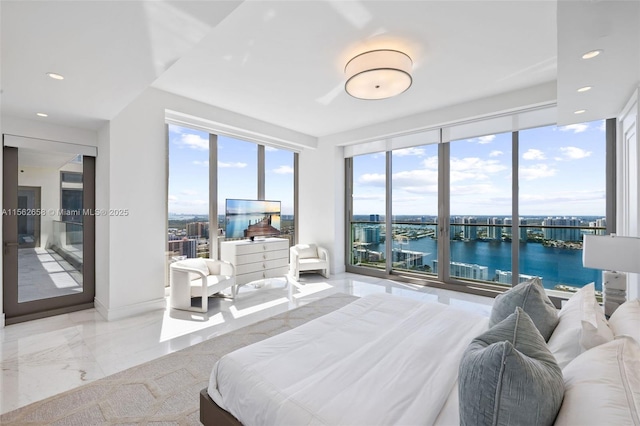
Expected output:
(199, 278)
(308, 257)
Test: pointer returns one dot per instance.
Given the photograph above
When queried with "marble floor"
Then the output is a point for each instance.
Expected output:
(43, 273)
(44, 357)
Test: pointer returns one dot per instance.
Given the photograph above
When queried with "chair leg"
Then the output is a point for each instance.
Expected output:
(205, 303)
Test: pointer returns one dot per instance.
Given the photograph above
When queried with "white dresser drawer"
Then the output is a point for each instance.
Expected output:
(262, 256)
(246, 268)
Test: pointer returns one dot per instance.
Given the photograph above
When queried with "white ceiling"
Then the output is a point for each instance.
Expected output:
(283, 62)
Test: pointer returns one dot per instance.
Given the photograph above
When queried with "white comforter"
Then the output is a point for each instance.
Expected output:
(380, 360)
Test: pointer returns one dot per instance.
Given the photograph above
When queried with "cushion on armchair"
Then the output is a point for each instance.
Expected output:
(307, 251)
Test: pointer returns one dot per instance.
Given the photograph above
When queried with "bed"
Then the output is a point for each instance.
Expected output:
(380, 360)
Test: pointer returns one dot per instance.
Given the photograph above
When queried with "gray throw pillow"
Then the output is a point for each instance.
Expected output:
(532, 298)
(507, 376)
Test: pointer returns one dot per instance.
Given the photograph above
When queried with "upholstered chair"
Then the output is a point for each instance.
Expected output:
(308, 257)
(199, 278)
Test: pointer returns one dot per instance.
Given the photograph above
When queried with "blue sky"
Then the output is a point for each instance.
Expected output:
(562, 173)
(237, 172)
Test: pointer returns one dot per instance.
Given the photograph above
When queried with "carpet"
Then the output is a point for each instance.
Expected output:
(164, 391)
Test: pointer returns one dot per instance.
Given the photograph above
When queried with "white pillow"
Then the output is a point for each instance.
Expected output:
(626, 320)
(602, 386)
(581, 326)
(196, 263)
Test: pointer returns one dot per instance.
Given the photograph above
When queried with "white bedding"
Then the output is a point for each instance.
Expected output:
(382, 359)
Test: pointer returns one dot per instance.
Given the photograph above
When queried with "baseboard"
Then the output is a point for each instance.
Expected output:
(2, 321)
(129, 310)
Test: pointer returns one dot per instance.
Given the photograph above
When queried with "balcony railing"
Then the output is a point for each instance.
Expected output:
(480, 252)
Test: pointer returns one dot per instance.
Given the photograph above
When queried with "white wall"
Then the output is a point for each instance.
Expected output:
(628, 179)
(321, 205)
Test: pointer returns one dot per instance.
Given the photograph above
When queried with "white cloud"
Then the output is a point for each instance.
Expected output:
(431, 163)
(270, 149)
(194, 141)
(224, 165)
(603, 126)
(369, 197)
(474, 168)
(414, 178)
(536, 171)
(575, 128)
(533, 154)
(472, 189)
(284, 170)
(189, 192)
(563, 196)
(201, 163)
(419, 152)
(172, 198)
(486, 139)
(574, 153)
(375, 179)
(495, 153)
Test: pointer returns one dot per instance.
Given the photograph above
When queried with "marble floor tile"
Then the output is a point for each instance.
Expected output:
(44, 357)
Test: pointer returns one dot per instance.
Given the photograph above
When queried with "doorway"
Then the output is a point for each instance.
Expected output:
(48, 229)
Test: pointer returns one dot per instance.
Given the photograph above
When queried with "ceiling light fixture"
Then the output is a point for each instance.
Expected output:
(378, 74)
(584, 89)
(55, 76)
(592, 54)
(41, 114)
(580, 111)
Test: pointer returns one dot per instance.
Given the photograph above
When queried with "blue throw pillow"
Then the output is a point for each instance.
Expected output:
(507, 376)
(532, 298)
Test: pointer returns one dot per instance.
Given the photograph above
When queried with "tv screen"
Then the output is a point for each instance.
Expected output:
(252, 218)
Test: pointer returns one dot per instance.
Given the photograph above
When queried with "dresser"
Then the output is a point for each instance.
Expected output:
(256, 260)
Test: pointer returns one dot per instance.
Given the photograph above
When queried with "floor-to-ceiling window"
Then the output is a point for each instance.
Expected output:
(279, 185)
(517, 204)
(368, 236)
(414, 206)
(480, 203)
(562, 196)
(204, 171)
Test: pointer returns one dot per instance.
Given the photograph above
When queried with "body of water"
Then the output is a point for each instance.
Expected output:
(554, 265)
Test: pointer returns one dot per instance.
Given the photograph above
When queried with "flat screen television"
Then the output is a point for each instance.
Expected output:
(252, 218)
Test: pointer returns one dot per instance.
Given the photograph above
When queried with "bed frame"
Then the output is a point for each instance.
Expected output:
(212, 414)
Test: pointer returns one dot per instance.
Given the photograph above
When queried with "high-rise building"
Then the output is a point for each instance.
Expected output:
(470, 232)
(562, 234)
(599, 223)
(407, 257)
(456, 231)
(184, 247)
(504, 277)
(494, 232)
(368, 234)
(523, 231)
(198, 229)
(465, 270)
(374, 218)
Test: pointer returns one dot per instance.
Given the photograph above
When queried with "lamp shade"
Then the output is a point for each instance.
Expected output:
(611, 252)
(378, 74)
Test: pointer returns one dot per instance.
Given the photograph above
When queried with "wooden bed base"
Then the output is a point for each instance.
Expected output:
(212, 414)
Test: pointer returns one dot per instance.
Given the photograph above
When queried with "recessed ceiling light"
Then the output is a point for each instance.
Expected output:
(580, 111)
(584, 89)
(55, 76)
(592, 54)
(42, 114)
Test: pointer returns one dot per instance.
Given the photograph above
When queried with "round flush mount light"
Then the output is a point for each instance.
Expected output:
(592, 54)
(378, 74)
(55, 76)
(41, 114)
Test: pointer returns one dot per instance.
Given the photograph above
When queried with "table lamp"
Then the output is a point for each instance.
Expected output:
(614, 255)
